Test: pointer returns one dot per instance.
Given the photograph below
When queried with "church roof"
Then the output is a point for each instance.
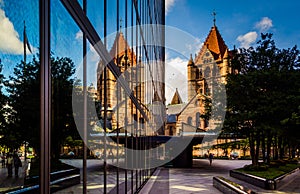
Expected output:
(121, 46)
(176, 98)
(215, 43)
(175, 109)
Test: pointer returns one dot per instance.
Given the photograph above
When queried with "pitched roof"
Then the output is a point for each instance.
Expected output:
(174, 109)
(176, 98)
(215, 43)
(121, 46)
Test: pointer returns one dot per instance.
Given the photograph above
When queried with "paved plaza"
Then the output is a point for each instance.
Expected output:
(164, 181)
(199, 179)
(7, 183)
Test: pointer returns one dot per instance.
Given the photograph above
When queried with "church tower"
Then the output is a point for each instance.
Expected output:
(192, 75)
(211, 62)
(133, 72)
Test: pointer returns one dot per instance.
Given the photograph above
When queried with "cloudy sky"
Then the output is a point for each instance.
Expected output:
(240, 23)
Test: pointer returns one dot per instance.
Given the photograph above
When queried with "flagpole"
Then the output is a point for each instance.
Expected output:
(24, 45)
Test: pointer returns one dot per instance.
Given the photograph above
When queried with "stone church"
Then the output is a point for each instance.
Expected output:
(210, 64)
(121, 111)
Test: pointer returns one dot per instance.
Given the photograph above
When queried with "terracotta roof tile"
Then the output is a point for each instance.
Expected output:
(215, 43)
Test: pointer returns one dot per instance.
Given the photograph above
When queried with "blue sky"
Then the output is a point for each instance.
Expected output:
(237, 18)
(240, 22)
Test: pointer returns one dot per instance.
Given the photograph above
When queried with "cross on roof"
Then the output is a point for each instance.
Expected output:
(121, 20)
(214, 14)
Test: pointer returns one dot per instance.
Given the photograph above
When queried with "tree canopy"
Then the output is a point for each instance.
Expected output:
(24, 102)
(264, 93)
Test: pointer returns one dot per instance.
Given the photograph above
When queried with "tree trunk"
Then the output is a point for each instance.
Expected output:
(252, 149)
(269, 142)
(276, 148)
(289, 147)
(263, 147)
(257, 147)
(281, 147)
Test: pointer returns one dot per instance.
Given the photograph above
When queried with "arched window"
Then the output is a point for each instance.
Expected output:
(197, 119)
(189, 120)
(207, 72)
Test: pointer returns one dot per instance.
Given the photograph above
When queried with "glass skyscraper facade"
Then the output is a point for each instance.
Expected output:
(83, 85)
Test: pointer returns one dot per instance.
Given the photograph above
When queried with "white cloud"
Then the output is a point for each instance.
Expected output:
(194, 47)
(176, 77)
(264, 24)
(247, 39)
(79, 35)
(9, 38)
(168, 5)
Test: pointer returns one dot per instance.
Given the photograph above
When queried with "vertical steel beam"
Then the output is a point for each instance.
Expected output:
(45, 96)
(105, 104)
(84, 166)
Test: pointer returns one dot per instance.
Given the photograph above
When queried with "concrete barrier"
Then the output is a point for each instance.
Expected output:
(269, 184)
(225, 187)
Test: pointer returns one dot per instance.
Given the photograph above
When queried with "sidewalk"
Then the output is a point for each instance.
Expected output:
(199, 179)
(190, 180)
(7, 183)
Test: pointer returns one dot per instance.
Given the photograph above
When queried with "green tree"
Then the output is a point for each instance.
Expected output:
(262, 94)
(24, 98)
(23, 89)
(63, 125)
(3, 111)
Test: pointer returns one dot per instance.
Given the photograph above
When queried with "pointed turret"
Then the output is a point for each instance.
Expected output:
(192, 76)
(176, 98)
(191, 61)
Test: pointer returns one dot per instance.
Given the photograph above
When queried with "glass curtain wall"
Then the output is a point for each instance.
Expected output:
(82, 90)
(19, 93)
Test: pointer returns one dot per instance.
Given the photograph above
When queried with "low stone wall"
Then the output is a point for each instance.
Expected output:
(225, 187)
(279, 181)
(269, 184)
(254, 180)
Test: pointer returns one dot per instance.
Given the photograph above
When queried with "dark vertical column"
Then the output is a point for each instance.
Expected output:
(118, 88)
(132, 121)
(45, 95)
(84, 189)
(105, 103)
(125, 122)
(185, 158)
